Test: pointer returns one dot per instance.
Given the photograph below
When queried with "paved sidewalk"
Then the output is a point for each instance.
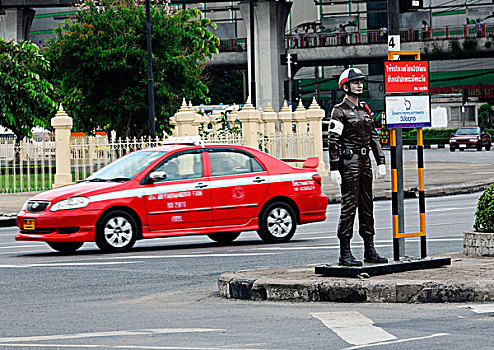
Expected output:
(465, 280)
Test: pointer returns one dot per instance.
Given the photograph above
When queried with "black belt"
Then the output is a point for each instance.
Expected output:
(363, 151)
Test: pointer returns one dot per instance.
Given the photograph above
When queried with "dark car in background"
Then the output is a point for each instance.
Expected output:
(470, 137)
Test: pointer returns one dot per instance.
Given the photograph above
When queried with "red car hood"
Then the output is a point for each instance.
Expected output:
(84, 189)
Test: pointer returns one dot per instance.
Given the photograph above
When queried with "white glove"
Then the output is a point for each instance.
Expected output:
(381, 171)
(335, 177)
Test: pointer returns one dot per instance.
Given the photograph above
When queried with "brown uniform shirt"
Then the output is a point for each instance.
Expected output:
(351, 127)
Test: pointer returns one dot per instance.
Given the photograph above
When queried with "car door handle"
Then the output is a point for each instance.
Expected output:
(259, 179)
(201, 185)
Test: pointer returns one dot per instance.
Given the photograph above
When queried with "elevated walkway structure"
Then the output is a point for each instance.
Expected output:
(16, 16)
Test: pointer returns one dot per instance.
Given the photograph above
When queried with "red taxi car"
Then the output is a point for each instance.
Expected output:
(177, 189)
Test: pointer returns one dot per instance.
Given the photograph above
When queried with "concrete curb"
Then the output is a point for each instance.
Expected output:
(394, 290)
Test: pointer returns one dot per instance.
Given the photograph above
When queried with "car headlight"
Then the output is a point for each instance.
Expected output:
(452, 140)
(473, 140)
(70, 203)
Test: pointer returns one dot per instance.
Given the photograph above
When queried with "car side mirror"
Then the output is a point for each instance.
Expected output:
(452, 134)
(157, 175)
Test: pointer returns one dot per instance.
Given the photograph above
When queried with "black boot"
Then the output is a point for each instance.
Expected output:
(370, 253)
(346, 257)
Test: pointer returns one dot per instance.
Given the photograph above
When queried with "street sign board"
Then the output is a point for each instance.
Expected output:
(393, 43)
(406, 76)
(410, 111)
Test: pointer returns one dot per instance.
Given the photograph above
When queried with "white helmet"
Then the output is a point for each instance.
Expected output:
(350, 74)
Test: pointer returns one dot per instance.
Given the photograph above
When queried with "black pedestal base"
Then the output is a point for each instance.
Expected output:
(381, 269)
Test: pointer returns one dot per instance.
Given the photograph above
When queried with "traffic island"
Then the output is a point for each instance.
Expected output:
(465, 280)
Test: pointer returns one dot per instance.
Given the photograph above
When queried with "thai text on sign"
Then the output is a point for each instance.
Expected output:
(406, 76)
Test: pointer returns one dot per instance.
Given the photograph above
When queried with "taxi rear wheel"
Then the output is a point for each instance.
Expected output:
(223, 237)
(116, 232)
(277, 223)
(65, 247)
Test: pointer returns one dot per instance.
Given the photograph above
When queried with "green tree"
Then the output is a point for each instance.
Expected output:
(100, 64)
(26, 96)
(484, 112)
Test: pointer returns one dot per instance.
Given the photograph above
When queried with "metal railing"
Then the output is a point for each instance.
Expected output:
(233, 45)
(367, 37)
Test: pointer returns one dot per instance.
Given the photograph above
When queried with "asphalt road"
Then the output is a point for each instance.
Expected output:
(163, 294)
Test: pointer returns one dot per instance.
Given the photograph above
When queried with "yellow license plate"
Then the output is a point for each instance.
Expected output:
(29, 224)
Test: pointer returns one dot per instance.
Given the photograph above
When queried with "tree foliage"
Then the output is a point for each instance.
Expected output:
(485, 112)
(100, 63)
(26, 96)
(484, 215)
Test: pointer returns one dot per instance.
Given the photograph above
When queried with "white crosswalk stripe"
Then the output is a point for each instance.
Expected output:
(353, 327)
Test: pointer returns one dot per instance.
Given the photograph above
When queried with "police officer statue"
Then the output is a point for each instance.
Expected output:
(351, 134)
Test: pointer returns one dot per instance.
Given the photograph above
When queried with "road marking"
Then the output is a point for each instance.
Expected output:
(396, 341)
(480, 308)
(105, 346)
(139, 332)
(18, 246)
(353, 327)
(444, 209)
(90, 262)
(69, 264)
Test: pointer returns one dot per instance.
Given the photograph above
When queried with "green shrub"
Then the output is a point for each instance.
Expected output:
(484, 215)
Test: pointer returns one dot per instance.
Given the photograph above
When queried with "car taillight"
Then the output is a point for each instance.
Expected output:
(317, 178)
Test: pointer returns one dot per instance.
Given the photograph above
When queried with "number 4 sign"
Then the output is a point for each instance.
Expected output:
(393, 43)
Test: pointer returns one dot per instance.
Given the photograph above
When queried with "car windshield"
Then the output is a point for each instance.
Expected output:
(468, 131)
(125, 168)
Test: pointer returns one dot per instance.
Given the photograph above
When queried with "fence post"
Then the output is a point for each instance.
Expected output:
(62, 124)
(301, 130)
(269, 118)
(250, 119)
(285, 117)
(315, 115)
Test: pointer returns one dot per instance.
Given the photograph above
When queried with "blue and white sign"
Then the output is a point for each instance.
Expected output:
(408, 111)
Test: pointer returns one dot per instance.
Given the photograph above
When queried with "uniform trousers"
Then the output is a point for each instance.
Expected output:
(356, 193)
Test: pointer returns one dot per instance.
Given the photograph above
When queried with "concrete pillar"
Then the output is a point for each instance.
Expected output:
(62, 124)
(269, 118)
(251, 121)
(15, 24)
(269, 27)
(314, 115)
(285, 116)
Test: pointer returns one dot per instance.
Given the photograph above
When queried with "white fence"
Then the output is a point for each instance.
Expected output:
(30, 165)
(26, 166)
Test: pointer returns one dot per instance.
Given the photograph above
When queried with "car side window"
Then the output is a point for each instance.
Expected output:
(232, 163)
(182, 166)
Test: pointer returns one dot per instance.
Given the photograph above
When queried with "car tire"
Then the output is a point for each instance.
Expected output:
(116, 232)
(65, 247)
(224, 237)
(277, 223)
(451, 149)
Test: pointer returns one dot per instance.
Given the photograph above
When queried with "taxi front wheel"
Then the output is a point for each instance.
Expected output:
(277, 223)
(116, 232)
